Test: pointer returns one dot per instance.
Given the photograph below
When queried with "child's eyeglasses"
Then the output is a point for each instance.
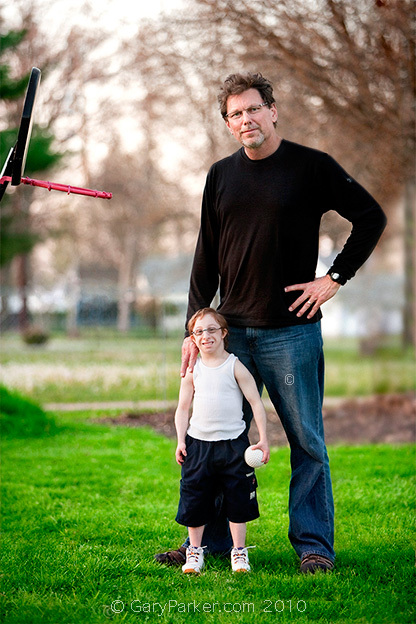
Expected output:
(209, 330)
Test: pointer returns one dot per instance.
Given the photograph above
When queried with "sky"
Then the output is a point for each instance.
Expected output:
(125, 14)
(102, 11)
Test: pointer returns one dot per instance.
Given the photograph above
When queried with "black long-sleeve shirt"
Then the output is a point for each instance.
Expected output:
(260, 232)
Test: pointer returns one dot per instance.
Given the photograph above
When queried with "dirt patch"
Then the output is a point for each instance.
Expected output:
(388, 419)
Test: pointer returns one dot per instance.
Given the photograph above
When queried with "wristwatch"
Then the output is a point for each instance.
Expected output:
(336, 277)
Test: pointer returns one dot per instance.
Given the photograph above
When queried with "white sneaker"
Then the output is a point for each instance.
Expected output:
(194, 560)
(239, 560)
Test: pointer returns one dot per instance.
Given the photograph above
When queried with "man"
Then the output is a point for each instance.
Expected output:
(259, 240)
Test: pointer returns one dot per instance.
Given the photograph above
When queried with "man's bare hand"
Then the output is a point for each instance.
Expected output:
(314, 295)
(189, 355)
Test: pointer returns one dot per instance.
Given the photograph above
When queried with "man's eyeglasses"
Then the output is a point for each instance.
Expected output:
(209, 330)
(251, 110)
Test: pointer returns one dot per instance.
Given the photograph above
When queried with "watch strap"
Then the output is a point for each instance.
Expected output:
(337, 277)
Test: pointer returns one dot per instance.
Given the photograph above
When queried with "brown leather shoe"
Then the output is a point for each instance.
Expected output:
(312, 563)
(172, 557)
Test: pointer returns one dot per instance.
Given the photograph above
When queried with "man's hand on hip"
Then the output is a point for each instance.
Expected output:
(314, 295)
(189, 354)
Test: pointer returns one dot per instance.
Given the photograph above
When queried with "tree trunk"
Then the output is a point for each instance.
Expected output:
(73, 297)
(409, 312)
(22, 283)
(125, 283)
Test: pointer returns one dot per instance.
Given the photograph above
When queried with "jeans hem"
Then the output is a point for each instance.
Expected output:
(317, 552)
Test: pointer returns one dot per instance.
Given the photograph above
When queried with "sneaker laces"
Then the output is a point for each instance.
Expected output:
(193, 554)
(240, 554)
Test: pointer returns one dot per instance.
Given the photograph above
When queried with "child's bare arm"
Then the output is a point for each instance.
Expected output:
(186, 394)
(248, 387)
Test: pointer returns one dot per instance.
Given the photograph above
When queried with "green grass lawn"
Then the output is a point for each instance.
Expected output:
(84, 511)
(102, 366)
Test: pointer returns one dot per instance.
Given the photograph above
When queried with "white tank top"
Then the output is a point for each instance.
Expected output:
(218, 403)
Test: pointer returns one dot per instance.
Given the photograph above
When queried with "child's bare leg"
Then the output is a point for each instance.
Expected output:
(195, 535)
(238, 533)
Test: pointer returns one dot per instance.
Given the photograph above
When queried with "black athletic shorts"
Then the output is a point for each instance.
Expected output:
(213, 467)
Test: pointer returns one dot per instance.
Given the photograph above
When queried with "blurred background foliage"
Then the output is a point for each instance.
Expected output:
(127, 104)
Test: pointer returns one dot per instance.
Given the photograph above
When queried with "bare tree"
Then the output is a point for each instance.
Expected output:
(179, 62)
(351, 66)
(122, 233)
(344, 75)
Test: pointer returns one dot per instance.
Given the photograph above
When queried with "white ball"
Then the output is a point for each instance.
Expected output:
(254, 457)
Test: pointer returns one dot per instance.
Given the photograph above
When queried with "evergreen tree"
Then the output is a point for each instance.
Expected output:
(15, 235)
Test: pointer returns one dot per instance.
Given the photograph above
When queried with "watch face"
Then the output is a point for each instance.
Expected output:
(335, 276)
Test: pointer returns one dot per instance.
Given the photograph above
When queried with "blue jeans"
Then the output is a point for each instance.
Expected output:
(289, 362)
